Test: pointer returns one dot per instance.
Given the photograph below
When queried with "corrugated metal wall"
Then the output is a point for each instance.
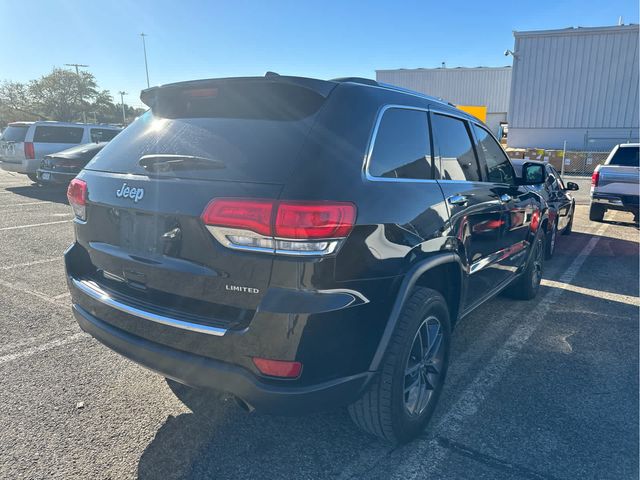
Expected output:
(463, 86)
(583, 80)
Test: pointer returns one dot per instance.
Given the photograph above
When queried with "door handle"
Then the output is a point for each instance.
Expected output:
(457, 200)
(505, 198)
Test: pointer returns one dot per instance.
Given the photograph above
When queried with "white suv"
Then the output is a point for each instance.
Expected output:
(24, 144)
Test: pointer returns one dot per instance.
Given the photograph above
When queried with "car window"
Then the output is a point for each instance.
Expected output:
(455, 150)
(50, 134)
(498, 166)
(626, 157)
(551, 181)
(402, 146)
(103, 134)
(14, 133)
(558, 177)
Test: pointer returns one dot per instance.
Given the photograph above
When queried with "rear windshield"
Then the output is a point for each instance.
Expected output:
(48, 134)
(103, 134)
(14, 133)
(626, 157)
(249, 134)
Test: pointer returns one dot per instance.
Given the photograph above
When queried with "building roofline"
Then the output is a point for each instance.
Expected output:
(440, 69)
(576, 30)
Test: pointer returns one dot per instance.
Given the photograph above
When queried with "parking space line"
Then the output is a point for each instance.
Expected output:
(29, 264)
(43, 347)
(23, 204)
(33, 225)
(600, 294)
(39, 295)
(475, 394)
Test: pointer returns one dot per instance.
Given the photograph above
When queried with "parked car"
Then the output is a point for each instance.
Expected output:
(301, 244)
(23, 145)
(562, 205)
(615, 185)
(61, 167)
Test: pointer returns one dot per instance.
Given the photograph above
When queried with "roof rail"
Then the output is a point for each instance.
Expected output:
(413, 92)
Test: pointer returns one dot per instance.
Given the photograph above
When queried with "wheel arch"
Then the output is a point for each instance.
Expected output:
(435, 272)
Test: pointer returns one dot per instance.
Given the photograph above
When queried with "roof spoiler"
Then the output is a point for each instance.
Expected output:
(322, 87)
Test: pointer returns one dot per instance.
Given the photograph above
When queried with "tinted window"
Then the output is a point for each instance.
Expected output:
(499, 169)
(402, 147)
(626, 157)
(557, 177)
(457, 158)
(103, 134)
(14, 133)
(47, 134)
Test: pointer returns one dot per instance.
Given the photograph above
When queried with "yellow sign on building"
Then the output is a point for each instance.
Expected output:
(478, 111)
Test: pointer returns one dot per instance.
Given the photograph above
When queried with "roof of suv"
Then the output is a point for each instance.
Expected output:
(66, 124)
(323, 87)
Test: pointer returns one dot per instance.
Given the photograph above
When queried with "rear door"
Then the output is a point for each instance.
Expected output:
(144, 233)
(477, 214)
(49, 139)
(12, 143)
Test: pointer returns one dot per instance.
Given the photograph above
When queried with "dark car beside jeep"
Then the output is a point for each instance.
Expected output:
(301, 244)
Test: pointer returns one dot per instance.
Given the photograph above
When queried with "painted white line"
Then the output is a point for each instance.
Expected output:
(474, 395)
(43, 347)
(24, 204)
(62, 295)
(39, 295)
(35, 262)
(17, 227)
(600, 294)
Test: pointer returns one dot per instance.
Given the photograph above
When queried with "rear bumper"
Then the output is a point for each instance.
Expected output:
(54, 177)
(203, 372)
(625, 203)
(24, 166)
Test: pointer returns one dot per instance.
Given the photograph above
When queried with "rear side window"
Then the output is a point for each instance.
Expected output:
(455, 150)
(103, 134)
(14, 133)
(402, 146)
(626, 157)
(50, 134)
(499, 169)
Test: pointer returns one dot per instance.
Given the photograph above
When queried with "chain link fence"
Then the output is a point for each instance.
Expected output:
(576, 163)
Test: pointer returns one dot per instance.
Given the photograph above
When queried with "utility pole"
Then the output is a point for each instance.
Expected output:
(84, 115)
(124, 117)
(144, 47)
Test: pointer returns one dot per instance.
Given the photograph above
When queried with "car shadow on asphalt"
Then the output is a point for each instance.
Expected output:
(220, 440)
(46, 193)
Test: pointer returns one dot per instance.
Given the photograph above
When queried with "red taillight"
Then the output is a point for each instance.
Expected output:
(278, 368)
(297, 220)
(77, 195)
(29, 151)
(296, 228)
(595, 178)
(254, 215)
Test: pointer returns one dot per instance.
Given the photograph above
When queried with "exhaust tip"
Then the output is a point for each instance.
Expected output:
(244, 405)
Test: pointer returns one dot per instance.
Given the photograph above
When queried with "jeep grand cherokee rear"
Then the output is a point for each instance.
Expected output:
(239, 237)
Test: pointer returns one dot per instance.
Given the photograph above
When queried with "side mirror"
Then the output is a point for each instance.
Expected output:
(572, 186)
(532, 174)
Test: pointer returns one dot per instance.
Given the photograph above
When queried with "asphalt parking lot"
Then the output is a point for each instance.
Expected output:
(546, 389)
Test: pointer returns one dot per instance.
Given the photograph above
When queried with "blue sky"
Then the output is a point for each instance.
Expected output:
(324, 39)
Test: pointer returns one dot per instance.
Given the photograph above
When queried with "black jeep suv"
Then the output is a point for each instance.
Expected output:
(300, 244)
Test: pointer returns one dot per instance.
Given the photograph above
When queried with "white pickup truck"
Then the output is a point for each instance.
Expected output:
(616, 184)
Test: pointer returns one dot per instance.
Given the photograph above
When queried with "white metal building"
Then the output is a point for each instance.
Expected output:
(482, 86)
(575, 84)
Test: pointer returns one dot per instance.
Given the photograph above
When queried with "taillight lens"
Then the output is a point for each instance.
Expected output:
(288, 228)
(278, 368)
(77, 195)
(29, 151)
(595, 178)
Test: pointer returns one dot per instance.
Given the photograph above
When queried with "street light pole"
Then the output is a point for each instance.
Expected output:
(84, 115)
(144, 48)
(124, 117)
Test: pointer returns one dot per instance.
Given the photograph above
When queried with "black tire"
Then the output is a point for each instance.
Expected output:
(527, 285)
(569, 228)
(596, 213)
(550, 244)
(385, 408)
(33, 177)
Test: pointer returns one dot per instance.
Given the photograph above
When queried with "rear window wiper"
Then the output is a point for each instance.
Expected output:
(165, 162)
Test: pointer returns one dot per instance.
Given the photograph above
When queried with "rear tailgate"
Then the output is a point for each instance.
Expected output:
(621, 174)
(12, 143)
